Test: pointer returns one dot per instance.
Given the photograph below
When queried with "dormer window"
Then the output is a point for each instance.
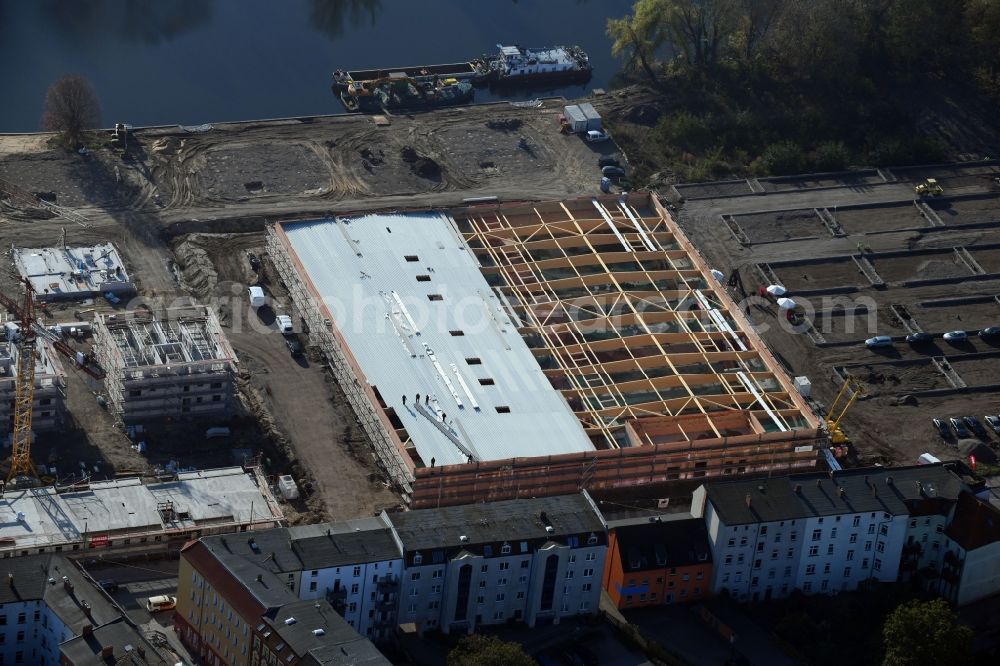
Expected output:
(417, 558)
(505, 549)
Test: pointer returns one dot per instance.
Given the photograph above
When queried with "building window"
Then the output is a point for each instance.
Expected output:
(807, 586)
(732, 542)
(813, 551)
(868, 546)
(880, 546)
(864, 563)
(354, 588)
(586, 588)
(847, 572)
(763, 530)
(357, 571)
(850, 555)
(883, 530)
(415, 575)
(500, 596)
(826, 568)
(729, 559)
(810, 569)
(854, 538)
(817, 535)
(833, 532)
(587, 573)
(829, 549)
(437, 573)
(857, 521)
(504, 549)
(877, 564)
(504, 566)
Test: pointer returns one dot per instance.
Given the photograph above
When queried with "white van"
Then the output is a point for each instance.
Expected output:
(161, 602)
(256, 297)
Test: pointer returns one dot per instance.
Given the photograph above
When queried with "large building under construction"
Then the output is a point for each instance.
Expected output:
(179, 365)
(48, 410)
(526, 349)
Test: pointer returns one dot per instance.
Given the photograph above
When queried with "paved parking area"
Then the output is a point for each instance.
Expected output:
(131, 584)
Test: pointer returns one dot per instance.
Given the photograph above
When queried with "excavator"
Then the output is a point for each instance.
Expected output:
(836, 412)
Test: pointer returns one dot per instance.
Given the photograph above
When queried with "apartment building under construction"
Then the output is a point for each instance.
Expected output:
(50, 378)
(179, 365)
(511, 350)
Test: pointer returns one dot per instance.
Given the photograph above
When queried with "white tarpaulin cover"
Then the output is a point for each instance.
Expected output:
(776, 290)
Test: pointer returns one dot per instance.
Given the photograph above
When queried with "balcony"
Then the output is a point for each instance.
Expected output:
(387, 584)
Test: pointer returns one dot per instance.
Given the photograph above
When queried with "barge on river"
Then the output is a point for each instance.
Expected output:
(400, 92)
(474, 71)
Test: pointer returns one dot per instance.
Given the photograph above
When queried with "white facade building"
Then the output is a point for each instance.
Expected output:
(534, 561)
(818, 533)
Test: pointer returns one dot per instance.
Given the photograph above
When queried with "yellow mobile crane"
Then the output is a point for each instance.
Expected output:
(833, 417)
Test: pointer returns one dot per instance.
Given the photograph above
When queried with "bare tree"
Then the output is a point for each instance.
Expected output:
(71, 108)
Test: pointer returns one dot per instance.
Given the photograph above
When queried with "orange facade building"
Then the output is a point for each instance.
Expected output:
(657, 560)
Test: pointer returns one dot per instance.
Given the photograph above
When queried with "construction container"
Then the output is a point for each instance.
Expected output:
(287, 487)
(804, 386)
(592, 116)
(575, 118)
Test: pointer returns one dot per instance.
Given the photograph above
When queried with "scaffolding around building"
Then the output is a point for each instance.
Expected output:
(667, 377)
(179, 365)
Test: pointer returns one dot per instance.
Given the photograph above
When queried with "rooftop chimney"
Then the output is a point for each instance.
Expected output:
(874, 490)
(888, 480)
(10, 579)
(67, 585)
(749, 500)
(840, 491)
(798, 488)
(87, 630)
(920, 488)
(107, 651)
(86, 608)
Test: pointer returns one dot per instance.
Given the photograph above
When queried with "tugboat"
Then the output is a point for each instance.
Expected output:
(399, 91)
(560, 64)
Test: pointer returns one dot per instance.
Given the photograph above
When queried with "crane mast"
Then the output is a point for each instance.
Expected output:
(24, 396)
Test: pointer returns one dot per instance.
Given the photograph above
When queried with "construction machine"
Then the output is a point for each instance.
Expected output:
(929, 188)
(839, 407)
(24, 335)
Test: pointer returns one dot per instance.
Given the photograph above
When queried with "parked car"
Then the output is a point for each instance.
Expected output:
(108, 586)
(919, 338)
(942, 428)
(294, 345)
(878, 341)
(284, 323)
(993, 422)
(611, 171)
(956, 336)
(594, 136)
(257, 298)
(959, 427)
(975, 426)
(608, 160)
(161, 602)
(990, 332)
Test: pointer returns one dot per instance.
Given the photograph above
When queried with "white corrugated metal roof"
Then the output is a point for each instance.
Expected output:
(378, 275)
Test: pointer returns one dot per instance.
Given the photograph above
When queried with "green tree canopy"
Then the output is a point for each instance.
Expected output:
(479, 650)
(925, 633)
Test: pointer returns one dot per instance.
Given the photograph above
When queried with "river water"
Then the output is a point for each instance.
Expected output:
(189, 62)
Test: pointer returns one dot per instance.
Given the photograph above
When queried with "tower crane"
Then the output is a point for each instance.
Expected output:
(24, 396)
(833, 416)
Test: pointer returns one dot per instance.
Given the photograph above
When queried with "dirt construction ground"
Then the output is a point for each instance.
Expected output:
(910, 273)
(184, 207)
